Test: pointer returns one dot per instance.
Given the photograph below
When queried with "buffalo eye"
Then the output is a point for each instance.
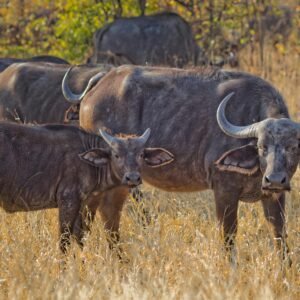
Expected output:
(116, 156)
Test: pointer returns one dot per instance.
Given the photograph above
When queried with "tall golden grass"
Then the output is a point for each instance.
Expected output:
(178, 256)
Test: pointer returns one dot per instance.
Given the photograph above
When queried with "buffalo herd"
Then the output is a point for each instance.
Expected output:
(227, 131)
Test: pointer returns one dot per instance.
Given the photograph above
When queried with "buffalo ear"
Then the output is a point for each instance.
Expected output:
(157, 157)
(243, 160)
(96, 157)
(72, 114)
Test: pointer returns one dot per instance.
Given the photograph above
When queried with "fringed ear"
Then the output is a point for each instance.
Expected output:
(243, 160)
(157, 157)
(96, 157)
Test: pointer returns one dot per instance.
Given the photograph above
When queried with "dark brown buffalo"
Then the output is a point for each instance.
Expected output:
(180, 107)
(161, 39)
(64, 167)
(5, 62)
(31, 92)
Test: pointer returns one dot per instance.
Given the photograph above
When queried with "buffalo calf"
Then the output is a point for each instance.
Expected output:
(65, 167)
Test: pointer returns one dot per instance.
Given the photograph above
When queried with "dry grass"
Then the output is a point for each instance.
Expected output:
(178, 256)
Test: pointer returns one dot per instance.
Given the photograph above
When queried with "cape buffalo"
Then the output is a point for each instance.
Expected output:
(5, 62)
(31, 92)
(180, 107)
(161, 39)
(64, 167)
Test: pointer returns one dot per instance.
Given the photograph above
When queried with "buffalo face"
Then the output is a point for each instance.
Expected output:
(276, 150)
(279, 153)
(126, 155)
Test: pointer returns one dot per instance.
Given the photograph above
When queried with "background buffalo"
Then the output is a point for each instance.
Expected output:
(31, 91)
(5, 62)
(161, 39)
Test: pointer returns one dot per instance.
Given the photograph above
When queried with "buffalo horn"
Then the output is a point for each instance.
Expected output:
(107, 138)
(76, 98)
(241, 132)
(145, 136)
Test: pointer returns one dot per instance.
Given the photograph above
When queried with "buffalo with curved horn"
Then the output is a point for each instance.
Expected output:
(274, 155)
(180, 108)
(30, 92)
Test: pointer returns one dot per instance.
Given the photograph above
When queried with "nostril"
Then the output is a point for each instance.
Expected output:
(283, 180)
(127, 178)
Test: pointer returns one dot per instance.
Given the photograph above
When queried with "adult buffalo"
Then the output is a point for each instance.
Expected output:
(5, 62)
(247, 164)
(161, 39)
(31, 91)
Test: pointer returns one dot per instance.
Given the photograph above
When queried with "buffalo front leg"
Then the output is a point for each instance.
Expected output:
(144, 217)
(110, 209)
(226, 208)
(85, 218)
(274, 210)
(68, 212)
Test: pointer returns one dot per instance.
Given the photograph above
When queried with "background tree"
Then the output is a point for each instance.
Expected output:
(65, 27)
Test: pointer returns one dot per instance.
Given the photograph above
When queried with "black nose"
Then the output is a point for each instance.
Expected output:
(132, 178)
(278, 180)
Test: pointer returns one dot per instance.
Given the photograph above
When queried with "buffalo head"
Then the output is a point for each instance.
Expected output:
(276, 150)
(126, 155)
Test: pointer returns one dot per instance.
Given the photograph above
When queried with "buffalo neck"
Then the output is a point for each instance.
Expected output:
(91, 141)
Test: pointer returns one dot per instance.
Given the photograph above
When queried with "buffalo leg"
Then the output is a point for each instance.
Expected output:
(144, 217)
(227, 217)
(68, 212)
(274, 210)
(85, 218)
(110, 209)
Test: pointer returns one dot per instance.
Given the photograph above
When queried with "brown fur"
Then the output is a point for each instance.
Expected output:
(180, 108)
(65, 167)
(160, 39)
(32, 91)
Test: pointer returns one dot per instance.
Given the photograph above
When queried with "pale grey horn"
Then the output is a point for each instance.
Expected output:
(240, 132)
(76, 98)
(145, 136)
(107, 138)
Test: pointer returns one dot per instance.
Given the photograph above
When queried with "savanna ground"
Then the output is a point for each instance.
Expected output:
(178, 255)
